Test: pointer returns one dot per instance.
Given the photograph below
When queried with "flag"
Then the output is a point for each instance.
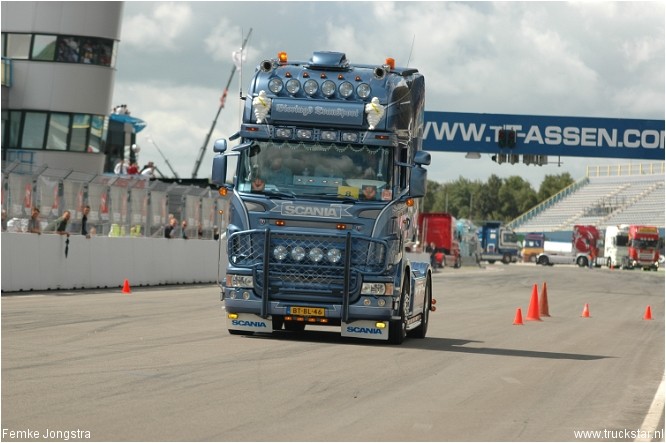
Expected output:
(239, 57)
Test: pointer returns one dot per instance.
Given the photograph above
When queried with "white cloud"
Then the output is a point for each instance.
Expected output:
(159, 30)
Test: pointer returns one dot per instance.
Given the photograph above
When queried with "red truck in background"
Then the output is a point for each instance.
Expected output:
(438, 232)
(643, 247)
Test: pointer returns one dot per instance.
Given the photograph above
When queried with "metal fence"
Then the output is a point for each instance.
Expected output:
(120, 205)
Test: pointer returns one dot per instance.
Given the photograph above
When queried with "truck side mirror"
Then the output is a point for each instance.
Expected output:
(422, 158)
(220, 145)
(219, 173)
(418, 181)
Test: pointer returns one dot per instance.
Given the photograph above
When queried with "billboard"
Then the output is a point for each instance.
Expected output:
(545, 135)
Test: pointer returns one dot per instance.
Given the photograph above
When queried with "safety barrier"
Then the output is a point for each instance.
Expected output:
(120, 205)
(32, 262)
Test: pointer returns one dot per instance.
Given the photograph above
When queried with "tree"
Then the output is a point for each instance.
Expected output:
(552, 184)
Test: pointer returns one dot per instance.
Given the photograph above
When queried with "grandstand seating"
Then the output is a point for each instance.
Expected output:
(602, 201)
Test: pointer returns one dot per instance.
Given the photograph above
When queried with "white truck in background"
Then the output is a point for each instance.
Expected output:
(616, 246)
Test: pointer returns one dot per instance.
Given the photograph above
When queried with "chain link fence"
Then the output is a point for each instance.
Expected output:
(120, 205)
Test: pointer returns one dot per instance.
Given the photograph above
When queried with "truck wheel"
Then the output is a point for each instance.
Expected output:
(506, 259)
(398, 328)
(581, 261)
(543, 261)
(422, 329)
(491, 261)
(458, 263)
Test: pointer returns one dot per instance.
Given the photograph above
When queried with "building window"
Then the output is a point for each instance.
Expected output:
(60, 48)
(18, 46)
(44, 47)
(80, 130)
(34, 128)
(55, 131)
(14, 129)
(96, 133)
(58, 132)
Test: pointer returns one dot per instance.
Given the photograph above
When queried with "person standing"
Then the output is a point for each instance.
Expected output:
(169, 228)
(34, 222)
(59, 225)
(84, 221)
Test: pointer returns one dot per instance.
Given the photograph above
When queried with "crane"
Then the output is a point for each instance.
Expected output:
(165, 159)
(223, 99)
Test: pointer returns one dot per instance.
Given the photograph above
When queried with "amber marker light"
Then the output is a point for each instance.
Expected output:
(410, 202)
(223, 193)
(232, 316)
(391, 62)
(282, 57)
(279, 223)
(341, 226)
(380, 325)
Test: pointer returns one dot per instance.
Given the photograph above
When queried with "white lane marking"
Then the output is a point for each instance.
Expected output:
(653, 416)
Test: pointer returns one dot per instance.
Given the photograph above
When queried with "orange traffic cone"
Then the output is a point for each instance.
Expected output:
(543, 301)
(648, 313)
(586, 311)
(518, 320)
(533, 310)
(126, 287)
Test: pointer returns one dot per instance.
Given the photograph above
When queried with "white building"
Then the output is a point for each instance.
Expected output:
(57, 81)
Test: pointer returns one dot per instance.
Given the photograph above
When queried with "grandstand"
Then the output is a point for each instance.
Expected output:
(608, 195)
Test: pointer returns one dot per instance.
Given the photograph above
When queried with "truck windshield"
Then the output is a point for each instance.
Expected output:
(642, 244)
(323, 170)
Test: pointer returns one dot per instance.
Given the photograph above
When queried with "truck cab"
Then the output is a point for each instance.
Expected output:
(498, 243)
(323, 197)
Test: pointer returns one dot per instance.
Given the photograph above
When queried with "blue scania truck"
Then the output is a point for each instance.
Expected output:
(327, 182)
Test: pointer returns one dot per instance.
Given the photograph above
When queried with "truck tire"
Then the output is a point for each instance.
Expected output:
(543, 260)
(582, 262)
(422, 329)
(458, 263)
(398, 328)
(506, 259)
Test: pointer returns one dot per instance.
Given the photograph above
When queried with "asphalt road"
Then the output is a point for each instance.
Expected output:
(159, 365)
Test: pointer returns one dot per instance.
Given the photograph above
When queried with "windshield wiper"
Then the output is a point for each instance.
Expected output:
(336, 196)
(279, 194)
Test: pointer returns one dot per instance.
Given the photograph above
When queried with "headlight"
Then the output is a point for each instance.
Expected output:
(310, 87)
(346, 89)
(333, 255)
(374, 289)
(275, 85)
(349, 137)
(328, 88)
(293, 86)
(363, 90)
(239, 281)
(280, 253)
(316, 255)
(329, 136)
(298, 253)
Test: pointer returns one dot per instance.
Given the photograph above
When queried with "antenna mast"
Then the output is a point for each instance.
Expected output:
(223, 99)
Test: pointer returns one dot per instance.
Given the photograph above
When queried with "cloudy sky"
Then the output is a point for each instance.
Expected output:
(592, 59)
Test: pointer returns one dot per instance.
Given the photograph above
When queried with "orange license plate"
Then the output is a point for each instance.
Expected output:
(307, 311)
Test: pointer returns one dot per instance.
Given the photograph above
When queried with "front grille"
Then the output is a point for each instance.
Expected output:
(292, 278)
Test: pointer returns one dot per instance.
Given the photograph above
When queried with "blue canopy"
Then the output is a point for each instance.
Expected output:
(137, 123)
